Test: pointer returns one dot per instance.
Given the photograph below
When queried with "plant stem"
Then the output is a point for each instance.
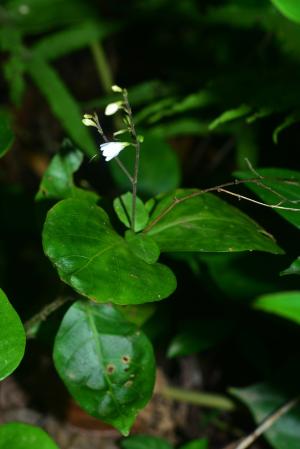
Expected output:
(44, 313)
(210, 400)
(137, 146)
(103, 68)
(106, 80)
(267, 423)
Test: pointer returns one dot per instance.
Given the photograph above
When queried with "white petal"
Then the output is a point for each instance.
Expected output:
(112, 149)
(112, 108)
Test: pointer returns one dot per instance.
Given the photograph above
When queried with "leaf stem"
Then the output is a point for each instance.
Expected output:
(43, 314)
(202, 399)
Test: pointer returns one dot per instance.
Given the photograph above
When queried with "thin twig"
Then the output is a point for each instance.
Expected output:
(221, 187)
(43, 314)
(260, 203)
(267, 423)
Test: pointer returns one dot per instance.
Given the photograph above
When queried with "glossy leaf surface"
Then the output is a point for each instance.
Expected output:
(106, 363)
(284, 304)
(123, 208)
(285, 186)
(205, 223)
(143, 246)
(12, 338)
(91, 257)
(24, 436)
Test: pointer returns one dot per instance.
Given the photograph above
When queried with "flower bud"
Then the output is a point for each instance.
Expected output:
(116, 88)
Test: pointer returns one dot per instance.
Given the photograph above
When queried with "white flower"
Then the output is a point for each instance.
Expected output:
(112, 108)
(112, 149)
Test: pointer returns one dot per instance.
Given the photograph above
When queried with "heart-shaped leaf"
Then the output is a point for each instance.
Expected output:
(98, 263)
(106, 363)
(12, 338)
(24, 436)
(187, 220)
(123, 208)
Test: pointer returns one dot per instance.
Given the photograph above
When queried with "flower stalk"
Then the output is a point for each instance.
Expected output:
(110, 149)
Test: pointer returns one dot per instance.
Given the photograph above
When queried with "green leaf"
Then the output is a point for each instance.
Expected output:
(144, 442)
(69, 40)
(198, 336)
(265, 399)
(282, 187)
(284, 304)
(205, 223)
(105, 362)
(91, 257)
(159, 167)
(293, 269)
(143, 246)
(62, 103)
(123, 208)
(289, 8)
(6, 134)
(230, 115)
(24, 436)
(57, 182)
(196, 444)
(12, 338)
(139, 314)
